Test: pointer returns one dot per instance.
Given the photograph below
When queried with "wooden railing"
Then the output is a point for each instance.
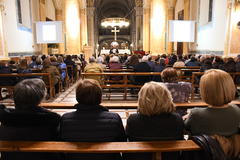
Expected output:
(124, 83)
(49, 83)
(99, 147)
(125, 105)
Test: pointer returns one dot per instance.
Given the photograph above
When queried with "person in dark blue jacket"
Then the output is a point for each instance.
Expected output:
(91, 122)
(28, 121)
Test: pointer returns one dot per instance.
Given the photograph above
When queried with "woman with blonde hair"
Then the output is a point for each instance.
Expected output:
(156, 119)
(217, 89)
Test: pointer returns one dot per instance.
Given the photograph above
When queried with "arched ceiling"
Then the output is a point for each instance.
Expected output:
(114, 8)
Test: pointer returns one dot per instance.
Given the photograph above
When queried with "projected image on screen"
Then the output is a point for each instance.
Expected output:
(181, 31)
(49, 32)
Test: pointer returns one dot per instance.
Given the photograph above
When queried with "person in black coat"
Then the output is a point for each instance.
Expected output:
(142, 67)
(156, 120)
(91, 122)
(28, 121)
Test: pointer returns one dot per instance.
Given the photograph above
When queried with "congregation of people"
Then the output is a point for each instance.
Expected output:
(156, 118)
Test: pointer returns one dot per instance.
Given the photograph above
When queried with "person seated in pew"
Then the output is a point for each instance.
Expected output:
(180, 90)
(114, 63)
(23, 67)
(179, 62)
(6, 81)
(39, 64)
(91, 122)
(217, 89)
(62, 69)
(71, 70)
(159, 67)
(230, 65)
(54, 61)
(156, 120)
(142, 67)
(94, 67)
(12, 64)
(28, 121)
(55, 74)
(33, 63)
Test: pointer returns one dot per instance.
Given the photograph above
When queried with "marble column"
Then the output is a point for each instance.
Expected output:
(170, 17)
(42, 12)
(59, 17)
(139, 27)
(158, 26)
(186, 17)
(3, 52)
(91, 28)
(72, 26)
(146, 25)
(84, 36)
(231, 46)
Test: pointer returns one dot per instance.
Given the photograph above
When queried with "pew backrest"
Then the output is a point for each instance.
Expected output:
(98, 147)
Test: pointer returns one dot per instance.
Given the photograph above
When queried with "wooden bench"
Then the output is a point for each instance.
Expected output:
(20, 76)
(185, 70)
(99, 147)
(125, 105)
(118, 70)
(124, 83)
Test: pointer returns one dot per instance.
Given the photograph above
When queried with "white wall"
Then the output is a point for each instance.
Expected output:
(18, 39)
(50, 10)
(211, 36)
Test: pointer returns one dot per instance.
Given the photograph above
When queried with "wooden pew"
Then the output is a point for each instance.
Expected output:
(99, 147)
(49, 83)
(125, 82)
(125, 105)
(186, 69)
(118, 70)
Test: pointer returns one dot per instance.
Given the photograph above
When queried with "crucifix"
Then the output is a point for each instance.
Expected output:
(115, 33)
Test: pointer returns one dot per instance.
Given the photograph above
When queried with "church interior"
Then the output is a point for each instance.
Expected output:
(119, 71)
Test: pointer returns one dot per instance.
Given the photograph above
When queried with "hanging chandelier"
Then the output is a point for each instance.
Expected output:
(115, 22)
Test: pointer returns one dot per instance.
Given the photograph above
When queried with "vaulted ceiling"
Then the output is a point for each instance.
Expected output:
(114, 8)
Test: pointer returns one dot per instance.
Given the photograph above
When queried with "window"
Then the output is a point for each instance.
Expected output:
(210, 13)
(23, 13)
(19, 12)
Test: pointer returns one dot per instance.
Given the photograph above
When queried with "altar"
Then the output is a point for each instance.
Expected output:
(120, 51)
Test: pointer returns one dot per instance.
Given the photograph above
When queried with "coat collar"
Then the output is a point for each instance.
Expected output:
(83, 107)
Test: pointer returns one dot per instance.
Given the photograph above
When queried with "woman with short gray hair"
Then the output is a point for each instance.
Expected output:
(28, 121)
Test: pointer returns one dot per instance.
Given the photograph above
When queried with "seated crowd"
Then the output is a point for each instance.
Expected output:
(56, 65)
(156, 118)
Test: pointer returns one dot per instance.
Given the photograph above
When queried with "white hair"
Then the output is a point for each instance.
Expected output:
(145, 58)
(114, 59)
